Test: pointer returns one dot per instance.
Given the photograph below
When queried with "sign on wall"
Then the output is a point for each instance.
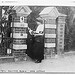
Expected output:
(22, 19)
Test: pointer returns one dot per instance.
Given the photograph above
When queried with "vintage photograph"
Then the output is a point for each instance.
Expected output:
(37, 39)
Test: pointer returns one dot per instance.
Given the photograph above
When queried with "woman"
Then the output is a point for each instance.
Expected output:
(35, 44)
(38, 50)
(35, 47)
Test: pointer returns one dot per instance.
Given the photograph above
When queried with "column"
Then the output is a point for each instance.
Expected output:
(19, 36)
(60, 35)
(50, 37)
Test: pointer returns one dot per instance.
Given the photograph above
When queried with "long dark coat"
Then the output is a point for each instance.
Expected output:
(38, 48)
(35, 47)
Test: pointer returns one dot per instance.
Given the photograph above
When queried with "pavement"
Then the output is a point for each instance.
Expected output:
(63, 64)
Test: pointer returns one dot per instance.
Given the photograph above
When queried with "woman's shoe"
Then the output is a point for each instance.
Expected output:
(37, 61)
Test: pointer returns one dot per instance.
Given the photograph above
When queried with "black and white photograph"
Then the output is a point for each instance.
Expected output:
(37, 39)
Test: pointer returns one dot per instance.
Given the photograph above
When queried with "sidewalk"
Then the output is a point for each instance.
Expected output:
(60, 64)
